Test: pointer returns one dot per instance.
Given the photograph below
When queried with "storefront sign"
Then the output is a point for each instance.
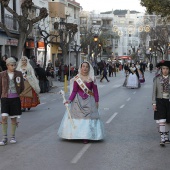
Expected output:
(41, 45)
(12, 42)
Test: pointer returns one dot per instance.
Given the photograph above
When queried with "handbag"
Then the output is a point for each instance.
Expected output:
(27, 90)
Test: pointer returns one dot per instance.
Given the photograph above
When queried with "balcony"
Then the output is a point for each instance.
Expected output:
(107, 26)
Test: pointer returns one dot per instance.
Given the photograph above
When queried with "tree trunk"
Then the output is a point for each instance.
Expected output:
(21, 42)
(64, 54)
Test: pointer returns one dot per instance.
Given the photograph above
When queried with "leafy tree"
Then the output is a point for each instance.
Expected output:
(161, 7)
(25, 24)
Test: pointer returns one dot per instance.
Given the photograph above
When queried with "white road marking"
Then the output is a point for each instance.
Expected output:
(53, 100)
(128, 99)
(101, 86)
(80, 153)
(116, 86)
(106, 108)
(122, 106)
(134, 92)
(42, 103)
(111, 118)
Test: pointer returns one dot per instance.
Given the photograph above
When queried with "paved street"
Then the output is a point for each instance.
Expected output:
(131, 141)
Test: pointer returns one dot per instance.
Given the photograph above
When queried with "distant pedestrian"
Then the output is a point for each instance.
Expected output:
(3, 63)
(150, 67)
(110, 70)
(104, 74)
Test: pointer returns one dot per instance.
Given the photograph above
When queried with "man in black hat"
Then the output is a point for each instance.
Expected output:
(161, 101)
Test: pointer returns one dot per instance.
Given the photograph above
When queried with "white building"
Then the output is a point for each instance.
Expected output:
(127, 28)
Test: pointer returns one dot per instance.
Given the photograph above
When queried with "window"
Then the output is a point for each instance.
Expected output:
(52, 23)
(75, 13)
(83, 20)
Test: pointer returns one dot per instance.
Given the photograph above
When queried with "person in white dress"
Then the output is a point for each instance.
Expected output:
(132, 80)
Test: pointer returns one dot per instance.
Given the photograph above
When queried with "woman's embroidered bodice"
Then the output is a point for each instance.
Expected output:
(76, 89)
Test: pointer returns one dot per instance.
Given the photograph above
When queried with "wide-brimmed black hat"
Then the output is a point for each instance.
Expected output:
(163, 63)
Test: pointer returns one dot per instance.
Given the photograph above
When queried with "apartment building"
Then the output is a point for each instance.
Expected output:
(8, 45)
(66, 11)
(98, 24)
(127, 28)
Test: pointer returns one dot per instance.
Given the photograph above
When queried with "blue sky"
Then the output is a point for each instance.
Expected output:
(108, 5)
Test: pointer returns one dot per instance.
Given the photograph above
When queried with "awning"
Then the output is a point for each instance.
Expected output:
(124, 57)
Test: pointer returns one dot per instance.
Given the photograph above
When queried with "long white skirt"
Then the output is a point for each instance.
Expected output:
(91, 129)
(132, 81)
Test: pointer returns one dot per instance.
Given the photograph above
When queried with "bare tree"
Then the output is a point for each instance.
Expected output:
(25, 24)
(160, 41)
(66, 33)
(48, 38)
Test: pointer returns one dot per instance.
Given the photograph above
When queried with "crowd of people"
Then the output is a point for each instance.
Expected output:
(21, 81)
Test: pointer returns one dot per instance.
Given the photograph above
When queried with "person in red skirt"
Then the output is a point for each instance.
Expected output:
(29, 97)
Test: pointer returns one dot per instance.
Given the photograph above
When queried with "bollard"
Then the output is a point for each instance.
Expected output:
(65, 84)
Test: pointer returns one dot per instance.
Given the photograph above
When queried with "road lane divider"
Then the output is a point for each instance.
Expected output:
(111, 118)
(41, 104)
(128, 99)
(134, 92)
(121, 107)
(80, 153)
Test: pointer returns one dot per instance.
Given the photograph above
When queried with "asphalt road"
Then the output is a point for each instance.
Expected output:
(131, 138)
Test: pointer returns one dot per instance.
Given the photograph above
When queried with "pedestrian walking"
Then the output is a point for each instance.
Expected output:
(150, 67)
(110, 70)
(3, 63)
(50, 75)
(104, 74)
(85, 123)
(161, 101)
(114, 69)
(11, 86)
(29, 97)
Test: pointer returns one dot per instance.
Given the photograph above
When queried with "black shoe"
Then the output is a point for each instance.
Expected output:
(162, 143)
(23, 110)
(167, 141)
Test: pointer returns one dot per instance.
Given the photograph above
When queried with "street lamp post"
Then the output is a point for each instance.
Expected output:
(95, 39)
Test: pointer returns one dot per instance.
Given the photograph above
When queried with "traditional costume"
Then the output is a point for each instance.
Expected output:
(132, 79)
(29, 97)
(11, 86)
(140, 73)
(161, 99)
(83, 110)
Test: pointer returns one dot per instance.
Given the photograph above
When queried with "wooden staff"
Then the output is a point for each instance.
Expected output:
(64, 100)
